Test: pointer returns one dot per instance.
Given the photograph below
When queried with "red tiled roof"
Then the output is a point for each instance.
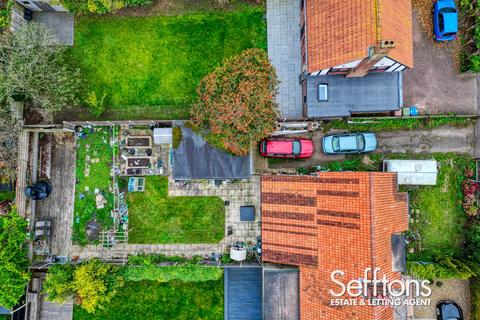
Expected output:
(333, 221)
(339, 32)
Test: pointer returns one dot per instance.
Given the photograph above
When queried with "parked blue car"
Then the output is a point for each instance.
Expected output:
(349, 143)
(445, 20)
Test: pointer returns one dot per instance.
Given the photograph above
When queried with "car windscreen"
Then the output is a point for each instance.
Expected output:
(335, 144)
(449, 34)
(360, 142)
(263, 146)
(296, 147)
(448, 10)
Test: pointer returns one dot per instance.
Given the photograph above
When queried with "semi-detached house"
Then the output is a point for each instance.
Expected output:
(353, 53)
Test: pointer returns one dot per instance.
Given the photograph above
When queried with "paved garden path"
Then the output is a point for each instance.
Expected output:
(283, 29)
(244, 192)
(444, 139)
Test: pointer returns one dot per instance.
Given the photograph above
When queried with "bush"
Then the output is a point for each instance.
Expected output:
(177, 137)
(470, 55)
(101, 6)
(475, 298)
(472, 243)
(154, 259)
(96, 105)
(58, 283)
(236, 102)
(93, 284)
(443, 268)
(185, 273)
(5, 13)
(380, 124)
(13, 258)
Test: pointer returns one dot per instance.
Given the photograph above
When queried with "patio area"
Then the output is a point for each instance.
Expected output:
(58, 207)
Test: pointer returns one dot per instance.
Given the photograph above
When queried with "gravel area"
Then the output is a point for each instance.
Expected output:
(456, 290)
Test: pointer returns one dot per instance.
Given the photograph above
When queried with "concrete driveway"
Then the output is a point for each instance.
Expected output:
(441, 140)
(434, 85)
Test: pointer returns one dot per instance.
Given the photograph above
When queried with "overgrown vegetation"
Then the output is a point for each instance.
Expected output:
(445, 267)
(441, 218)
(9, 130)
(171, 300)
(13, 258)
(35, 69)
(150, 67)
(177, 137)
(236, 101)
(93, 173)
(92, 284)
(380, 124)
(470, 15)
(5, 13)
(100, 6)
(104, 291)
(475, 298)
(185, 273)
(154, 217)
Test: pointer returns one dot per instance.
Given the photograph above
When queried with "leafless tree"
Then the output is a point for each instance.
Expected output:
(33, 68)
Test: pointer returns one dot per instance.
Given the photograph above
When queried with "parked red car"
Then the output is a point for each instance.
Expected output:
(286, 148)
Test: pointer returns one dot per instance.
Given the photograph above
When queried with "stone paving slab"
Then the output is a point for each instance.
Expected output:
(283, 30)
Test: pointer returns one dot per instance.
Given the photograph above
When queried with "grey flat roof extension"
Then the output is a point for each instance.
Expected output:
(375, 92)
(281, 294)
(196, 159)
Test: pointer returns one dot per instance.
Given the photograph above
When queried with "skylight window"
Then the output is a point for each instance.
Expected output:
(322, 92)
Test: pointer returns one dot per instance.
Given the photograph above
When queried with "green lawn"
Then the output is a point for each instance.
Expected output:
(150, 67)
(156, 218)
(154, 301)
(93, 152)
(442, 218)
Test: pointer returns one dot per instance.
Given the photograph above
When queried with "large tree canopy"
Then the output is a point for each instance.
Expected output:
(13, 258)
(236, 102)
(33, 68)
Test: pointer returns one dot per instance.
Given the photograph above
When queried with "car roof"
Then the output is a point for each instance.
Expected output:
(279, 146)
(450, 310)
(450, 21)
(348, 142)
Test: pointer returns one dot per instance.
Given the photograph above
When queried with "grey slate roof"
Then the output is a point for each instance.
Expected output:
(196, 159)
(375, 92)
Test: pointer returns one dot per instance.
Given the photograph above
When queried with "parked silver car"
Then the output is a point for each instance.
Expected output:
(356, 142)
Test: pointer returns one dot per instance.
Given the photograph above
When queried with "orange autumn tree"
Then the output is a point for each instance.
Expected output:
(236, 102)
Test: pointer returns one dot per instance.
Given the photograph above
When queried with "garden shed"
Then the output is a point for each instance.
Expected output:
(413, 172)
(162, 135)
